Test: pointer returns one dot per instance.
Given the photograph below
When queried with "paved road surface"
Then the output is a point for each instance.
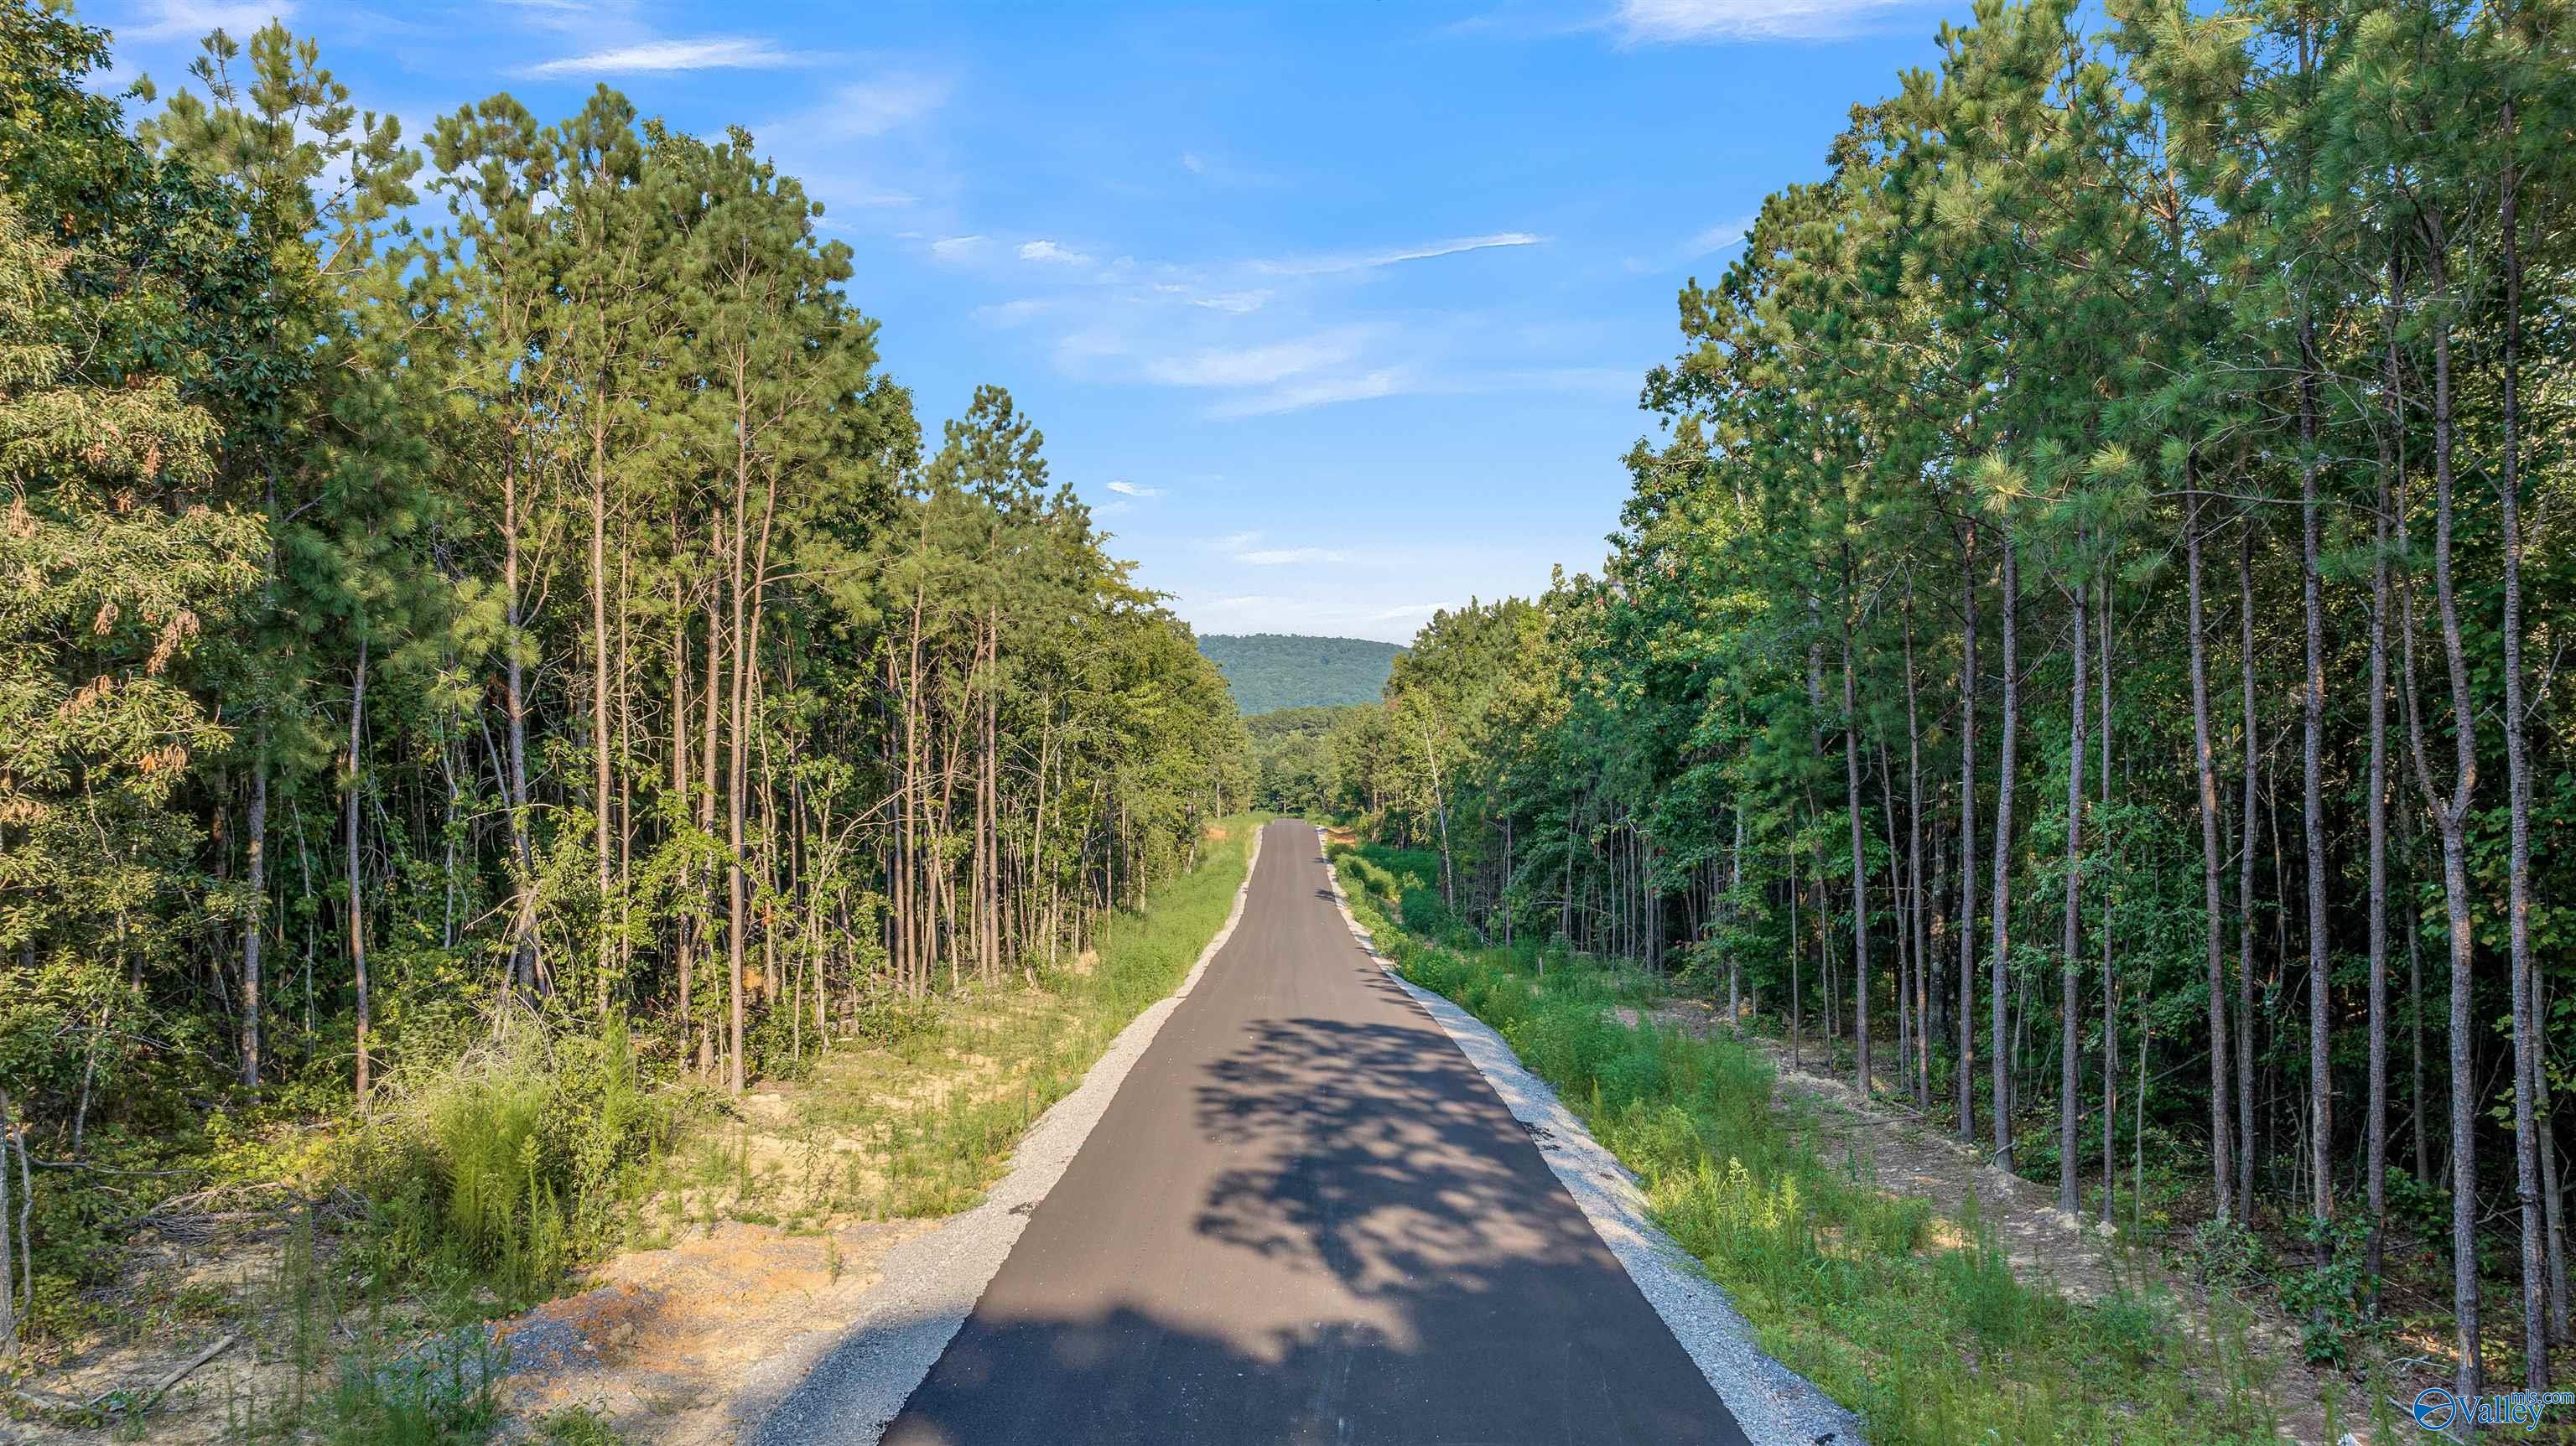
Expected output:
(1306, 1218)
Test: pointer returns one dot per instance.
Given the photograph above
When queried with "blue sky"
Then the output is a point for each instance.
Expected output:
(1336, 313)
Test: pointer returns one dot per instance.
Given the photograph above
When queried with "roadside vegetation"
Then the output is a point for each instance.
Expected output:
(1901, 1310)
(363, 1294)
(498, 674)
(2084, 651)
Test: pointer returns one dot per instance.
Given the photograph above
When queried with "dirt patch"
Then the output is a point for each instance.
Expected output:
(661, 1344)
(1912, 1155)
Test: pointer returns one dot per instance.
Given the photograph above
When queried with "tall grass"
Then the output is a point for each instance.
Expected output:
(1915, 1322)
(510, 1164)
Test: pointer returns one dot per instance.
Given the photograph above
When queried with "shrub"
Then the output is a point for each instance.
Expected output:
(509, 1162)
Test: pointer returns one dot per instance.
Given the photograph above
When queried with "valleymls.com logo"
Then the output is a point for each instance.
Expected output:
(2438, 1409)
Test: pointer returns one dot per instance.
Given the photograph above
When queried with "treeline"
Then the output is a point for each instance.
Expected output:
(497, 579)
(2087, 644)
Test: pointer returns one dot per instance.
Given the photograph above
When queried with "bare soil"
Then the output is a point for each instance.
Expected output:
(662, 1344)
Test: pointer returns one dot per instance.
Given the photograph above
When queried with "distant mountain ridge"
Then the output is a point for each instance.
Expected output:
(1270, 671)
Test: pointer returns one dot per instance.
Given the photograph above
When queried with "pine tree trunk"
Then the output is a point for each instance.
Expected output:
(2312, 799)
(256, 876)
(600, 784)
(527, 960)
(1859, 863)
(2450, 820)
(2110, 988)
(357, 896)
(2526, 1051)
(2000, 1061)
(2375, 1142)
(1918, 912)
(1967, 922)
(2245, 879)
(2070, 976)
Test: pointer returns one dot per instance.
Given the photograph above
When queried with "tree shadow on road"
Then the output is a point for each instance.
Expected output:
(1456, 1292)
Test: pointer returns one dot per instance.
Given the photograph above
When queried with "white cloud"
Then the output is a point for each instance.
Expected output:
(956, 248)
(712, 52)
(1327, 265)
(1009, 314)
(1684, 22)
(1322, 392)
(1125, 488)
(192, 19)
(874, 107)
(1255, 366)
(1288, 556)
(1721, 236)
(1234, 302)
(1409, 610)
(1051, 252)
(1194, 163)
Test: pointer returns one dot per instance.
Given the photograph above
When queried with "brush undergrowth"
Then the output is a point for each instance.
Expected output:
(940, 1102)
(1914, 1322)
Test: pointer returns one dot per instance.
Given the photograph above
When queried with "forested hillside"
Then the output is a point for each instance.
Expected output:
(2084, 649)
(1271, 671)
(489, 586)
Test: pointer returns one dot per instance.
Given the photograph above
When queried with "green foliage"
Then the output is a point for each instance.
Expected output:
(447, 1393)
(482, 659)
(1269, 672)
(1293, 757)
(510, 1163)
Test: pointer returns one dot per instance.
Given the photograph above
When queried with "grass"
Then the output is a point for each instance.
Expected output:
(1915, 1322)
(921, 1121)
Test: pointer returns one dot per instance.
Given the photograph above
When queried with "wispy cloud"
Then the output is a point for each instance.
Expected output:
(956, 248)
(1288, 556)
(1724, 236)
(192, 19)
(1721, 236)
(1686, 22)
(1235, 302)
(1254, 366)
(1009, 314)
(1320, 392)
(1329, 265)
(874, 107)
(1052, 253)
(1125, 488)
(709, 52)
(1217, 172)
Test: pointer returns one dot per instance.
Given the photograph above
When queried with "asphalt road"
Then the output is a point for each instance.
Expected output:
(1307, 1218)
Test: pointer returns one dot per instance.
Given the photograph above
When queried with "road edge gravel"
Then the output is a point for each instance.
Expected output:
(848, 1388)
(1771, 1402)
